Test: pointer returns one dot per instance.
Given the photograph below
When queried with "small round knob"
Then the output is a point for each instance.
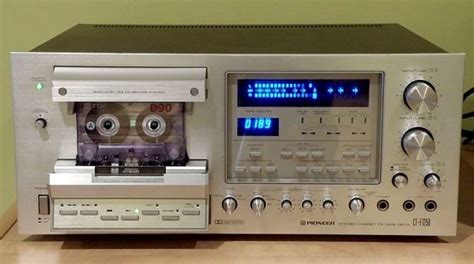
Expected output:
(420, 96)
(328, 204)
(356, 205)
(432, 181)
(400, 180)
(258, 205)
(307, 204)
(40, 123)
(286, 204)
(418, 143)
(229, 204)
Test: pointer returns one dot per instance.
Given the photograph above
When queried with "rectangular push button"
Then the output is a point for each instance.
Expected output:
(109, 217)
(191, 212)
(89, 212)
(255, 155)
(364, 169)
(239, 169)
(68, 212)
(364, 153)
(286, 154)
(301, 154)
(333, 169)
(317, 154)
(170, 218)
(150, 212)
(130, 217)
(301, 169)
(255, 169)
(43, 204)
(348, 154)
(317, 169)
(270, 169)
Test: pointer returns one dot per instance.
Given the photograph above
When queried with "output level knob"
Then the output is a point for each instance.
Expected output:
(400, 180)
(307, 204)
(286, 204)
(356, 205)
(229, 204)
(420, 96)
(432, 181)
(40, 123)
(328, 204)
(418, 143)
(258, 205)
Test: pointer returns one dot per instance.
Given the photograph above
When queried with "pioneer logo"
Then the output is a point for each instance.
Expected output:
(313, 223)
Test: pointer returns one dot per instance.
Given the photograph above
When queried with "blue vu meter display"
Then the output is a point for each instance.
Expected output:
(257, 126)
(303, 92)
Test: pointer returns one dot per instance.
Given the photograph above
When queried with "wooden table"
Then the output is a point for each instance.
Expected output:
(116, 249)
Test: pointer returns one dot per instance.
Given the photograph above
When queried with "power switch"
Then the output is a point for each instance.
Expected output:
(43, 204)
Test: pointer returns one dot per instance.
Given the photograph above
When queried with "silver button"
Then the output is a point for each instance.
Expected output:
(255, 169)
(301, 169)
(170, 218)
(150, 212)
(333, 169)
(255, 154)
(286, 154)
(348, 169)
(43, 204)
(270, 169)
(191, 212)
(68, 212)
(364, 153)
(109, 217)
(317, 169)
(301, 154)
(317, 154)
(364, 169)
(239, 169)
(130, 217)
(348, 154)
(89, 212)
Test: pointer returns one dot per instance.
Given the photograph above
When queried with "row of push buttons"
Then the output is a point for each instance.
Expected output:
(320, 154)
(129, 217)
(302, 169)
(255, 169)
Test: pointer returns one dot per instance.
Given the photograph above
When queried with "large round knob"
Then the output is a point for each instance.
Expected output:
(420, 96)
(418, 143)
(307, 204)
(356, 205)
(328, 204)
(286, 204)
(229, 204)
(40, 123)
(400, 180)
(432, 181)
(258, 205)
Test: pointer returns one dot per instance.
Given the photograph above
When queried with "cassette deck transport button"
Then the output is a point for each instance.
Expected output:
(170, 218)
(317, 154)
(130, 217)
(255, 155)
(67, 212)
(255, 169)
(348, 169)
(286, 154)
(109, 217)
(150, 212)
(239, 169)
(270, 169)
(348, 154)
(333, 169)
(89, 212)
(301, 154)
(364, 169)
(301, 169)
(191, 212)
(317, 169)
(364, 153)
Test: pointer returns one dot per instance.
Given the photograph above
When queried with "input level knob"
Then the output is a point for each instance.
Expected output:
(258, 205)
(307, 204)
(40, 123)
(420, 96)
(356, 205)
(432, 181)
(418, 143)
(229, 204)
(286, 204)
(400, 180)
(328, 204)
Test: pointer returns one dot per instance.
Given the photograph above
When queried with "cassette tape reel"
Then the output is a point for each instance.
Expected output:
(130, 134)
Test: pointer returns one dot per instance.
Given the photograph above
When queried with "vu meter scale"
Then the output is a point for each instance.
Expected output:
(272, 129)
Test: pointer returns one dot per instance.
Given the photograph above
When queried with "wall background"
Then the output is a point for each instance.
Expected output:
(25, 24)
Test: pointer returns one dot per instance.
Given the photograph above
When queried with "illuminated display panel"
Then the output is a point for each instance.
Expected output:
(303, 92)
(257, 126)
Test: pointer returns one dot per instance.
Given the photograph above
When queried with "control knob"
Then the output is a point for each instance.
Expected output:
(229, 204)
(307, 204)
(258, 205)
(286, 204)
(400, 180)
(356, 205)
(420, 96)
(418, 143)
(40, 123)
(432, 181)
(328, 204)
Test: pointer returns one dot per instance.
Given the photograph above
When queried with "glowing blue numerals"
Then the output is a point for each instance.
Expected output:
(258, 123)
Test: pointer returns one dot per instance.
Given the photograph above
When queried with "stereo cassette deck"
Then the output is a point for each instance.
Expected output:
(243, 129)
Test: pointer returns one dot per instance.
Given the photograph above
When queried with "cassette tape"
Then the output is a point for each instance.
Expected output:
(130, 135)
